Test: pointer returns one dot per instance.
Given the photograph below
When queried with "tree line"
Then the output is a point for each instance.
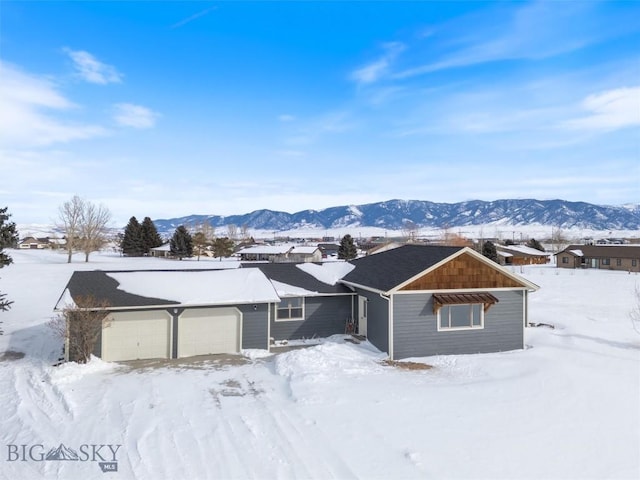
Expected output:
(139, 238)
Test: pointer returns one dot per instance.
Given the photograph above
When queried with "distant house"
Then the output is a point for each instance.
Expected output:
(521, 255)
(608, 257)
(329, 249)
(383, 247)
(40, 243)
(163, 251)
(286, 253)
(409, 301)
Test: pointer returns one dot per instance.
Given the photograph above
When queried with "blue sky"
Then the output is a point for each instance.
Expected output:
(168, 109)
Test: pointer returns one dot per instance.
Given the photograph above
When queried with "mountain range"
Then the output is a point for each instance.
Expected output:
(397, 214)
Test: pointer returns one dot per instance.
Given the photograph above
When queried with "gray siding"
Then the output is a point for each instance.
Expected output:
(416, 334)
(377, 320)
(255, 326)
(324, 316)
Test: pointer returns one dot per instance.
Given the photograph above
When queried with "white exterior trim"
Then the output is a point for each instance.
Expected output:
(454, 329)
(390, 327)
(296, 319)
(461, 290)
(269, 327)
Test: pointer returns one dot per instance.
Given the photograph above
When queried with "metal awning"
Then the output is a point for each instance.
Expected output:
(440, 299)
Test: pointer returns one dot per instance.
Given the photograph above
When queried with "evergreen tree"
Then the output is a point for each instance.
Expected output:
(347, 249)
(150, 236)
(489, 251)
(132, 242)
(181, 244)
(223, 247)
(533, 243)
(8, 239)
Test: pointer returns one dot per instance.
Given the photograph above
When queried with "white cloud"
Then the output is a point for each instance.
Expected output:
(375, 70)
(285, 117)
(136, 116)
(91, 69)
(609, 110)
(533, 30)
(29, 110)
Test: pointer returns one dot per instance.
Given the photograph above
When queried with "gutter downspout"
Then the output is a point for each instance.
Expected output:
(389, 299)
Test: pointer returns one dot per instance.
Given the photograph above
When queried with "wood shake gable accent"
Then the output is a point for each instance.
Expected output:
(464, 272)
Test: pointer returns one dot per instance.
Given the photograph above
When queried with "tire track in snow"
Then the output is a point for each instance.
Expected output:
(42, 407)
(282, 443)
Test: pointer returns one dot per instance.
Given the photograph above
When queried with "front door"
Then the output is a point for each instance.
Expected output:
(362, 315)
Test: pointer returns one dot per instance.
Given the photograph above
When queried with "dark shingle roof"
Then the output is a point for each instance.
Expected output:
(290, 274)
(606, 251)
(99, 285)
(386, 270)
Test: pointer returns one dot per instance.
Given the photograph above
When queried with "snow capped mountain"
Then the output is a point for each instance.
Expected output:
(395, 214)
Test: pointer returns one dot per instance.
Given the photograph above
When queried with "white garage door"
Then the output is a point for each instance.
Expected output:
(202, 331)
(135, 335)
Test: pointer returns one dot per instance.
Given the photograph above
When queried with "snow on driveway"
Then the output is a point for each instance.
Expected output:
(565, 407)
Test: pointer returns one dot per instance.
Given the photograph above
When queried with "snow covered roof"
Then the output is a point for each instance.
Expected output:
(504, 254)
(266, 249)
(523, 249)
(200, 287)
(577, 252)
(278, 249)
(328, 273)
(163, 248)
(171, 287)
(286, 290)
(321, 279)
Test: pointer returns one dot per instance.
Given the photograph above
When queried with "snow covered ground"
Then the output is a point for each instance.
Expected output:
(568, 406)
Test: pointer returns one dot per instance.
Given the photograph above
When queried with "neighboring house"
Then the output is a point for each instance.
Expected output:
(383, 247)
(608, 257)
(329, 249)
(410, 301)
(40, 243)
(418, 301)
(521, 255)
(163, 251)
(286, 253)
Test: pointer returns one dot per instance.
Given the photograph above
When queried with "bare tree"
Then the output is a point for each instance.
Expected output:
(69, 221)
(446, 234)
(558, 239)
(84, 225)
(93, 228)
(80, 325)
(244, 232)
(409, 231)
(232, 231)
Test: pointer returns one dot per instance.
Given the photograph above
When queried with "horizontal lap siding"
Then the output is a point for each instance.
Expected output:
(255, 326)
(416, 334)
(324, 316)
(377, 320)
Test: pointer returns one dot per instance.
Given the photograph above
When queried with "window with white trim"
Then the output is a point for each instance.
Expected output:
(291, 308)
(461, 316)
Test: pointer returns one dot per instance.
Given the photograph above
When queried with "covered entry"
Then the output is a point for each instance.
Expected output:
(136, 335)
(203, 331)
